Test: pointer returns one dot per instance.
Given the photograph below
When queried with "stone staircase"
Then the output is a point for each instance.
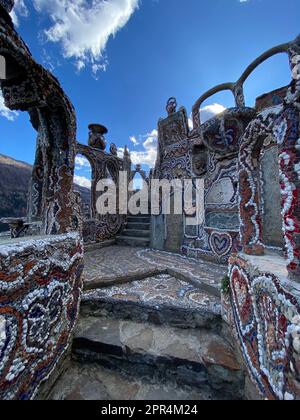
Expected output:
(137, 232)
(131, 346)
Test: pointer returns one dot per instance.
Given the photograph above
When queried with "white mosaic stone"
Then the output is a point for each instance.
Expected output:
(2, 331)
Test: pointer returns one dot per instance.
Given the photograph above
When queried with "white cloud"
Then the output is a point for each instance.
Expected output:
(19, 9)
(82, 181)
(81, 162)
(207, 112)
(148, 155)
(5, 112)
(211, 111)
(134, 140)
(83, 27)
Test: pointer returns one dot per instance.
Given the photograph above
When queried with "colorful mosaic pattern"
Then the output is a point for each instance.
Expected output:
(211, 154)
(104, 165)
(40, 289)
(266, 317)
(173, 160)
(160, 290)
(283, 125)
(52, 115)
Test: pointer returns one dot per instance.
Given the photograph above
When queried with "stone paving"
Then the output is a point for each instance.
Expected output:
(92, 382)
(188, 357)
(118, 264)
(162, 299)
(162, 290)
(150, 328)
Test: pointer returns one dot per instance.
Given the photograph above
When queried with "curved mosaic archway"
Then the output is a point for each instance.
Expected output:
(104, 165)
(41, 279)
(27, 86)
(283, 124)
(266, 319)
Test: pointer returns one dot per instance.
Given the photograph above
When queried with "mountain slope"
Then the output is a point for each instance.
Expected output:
(14, 180)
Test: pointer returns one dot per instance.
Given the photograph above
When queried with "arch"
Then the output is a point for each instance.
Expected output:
(283, 125)
(104, 166)
(83, 174)
(29, 87)
(291, 49)
(139, 171)
(137, 181)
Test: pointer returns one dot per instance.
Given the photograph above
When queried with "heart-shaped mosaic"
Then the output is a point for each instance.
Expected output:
(221, 243)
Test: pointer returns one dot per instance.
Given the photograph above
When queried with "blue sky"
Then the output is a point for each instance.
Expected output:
(120, 63)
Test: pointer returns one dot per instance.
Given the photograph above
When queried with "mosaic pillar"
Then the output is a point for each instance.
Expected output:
(59, 172)
(289, 164)
(266, 317)
(39, 307)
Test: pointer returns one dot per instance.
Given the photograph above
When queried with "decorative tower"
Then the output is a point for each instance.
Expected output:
(96, 136)
(127, 161)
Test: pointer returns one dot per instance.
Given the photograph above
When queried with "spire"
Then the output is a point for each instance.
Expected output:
(126, 152)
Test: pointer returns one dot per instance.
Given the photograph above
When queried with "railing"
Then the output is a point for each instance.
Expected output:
(237, 88)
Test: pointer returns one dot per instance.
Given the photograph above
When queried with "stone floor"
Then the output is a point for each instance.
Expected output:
(162, 289)
(150, 328)
(91, 382)
(119, 264)
(161, 299)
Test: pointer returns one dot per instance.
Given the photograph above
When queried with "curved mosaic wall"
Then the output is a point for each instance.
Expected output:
(40, 290)
(266, 316)
(31, 88)
(104, 165)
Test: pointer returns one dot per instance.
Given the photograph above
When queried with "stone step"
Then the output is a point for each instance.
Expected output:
(139, 219)
(161, 299)
(133, 241)
(136, 233)
(139, 226)
(187, 357)
(92, 382)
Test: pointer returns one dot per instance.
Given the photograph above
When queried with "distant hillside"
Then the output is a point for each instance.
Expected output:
(14, 180)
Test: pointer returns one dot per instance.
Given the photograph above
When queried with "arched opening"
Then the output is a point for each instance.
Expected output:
(138, 182)
(83, 184)
(259, 83)
(17, 155)
(216, 105)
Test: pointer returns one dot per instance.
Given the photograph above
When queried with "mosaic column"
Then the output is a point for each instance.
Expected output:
(59, 171)
(251, 221)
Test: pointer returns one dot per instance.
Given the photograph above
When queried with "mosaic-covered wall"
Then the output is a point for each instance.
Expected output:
(40, 278)
(266, 318)
(40, 289)
(212, 155)
(98, 228)
(264, 286)
(215, 158)
(31, 88)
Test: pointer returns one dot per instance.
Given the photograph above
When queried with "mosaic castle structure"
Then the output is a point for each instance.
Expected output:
(249, 159)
